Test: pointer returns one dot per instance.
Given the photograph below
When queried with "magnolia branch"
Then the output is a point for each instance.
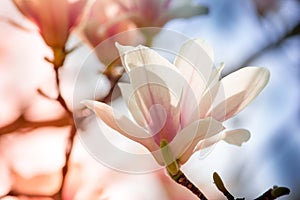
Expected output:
(181, 179)
(113, 77)
(270, 194)
(24, 125)
(59, 58)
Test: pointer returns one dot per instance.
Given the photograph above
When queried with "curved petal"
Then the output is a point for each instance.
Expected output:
(162, 117)
(169, 80)
(140, 56)
(76, 9)
(128, 96)
(236, 137)
(53, 27)
(29, 9)
(185, 141)
(121, 124)
(237, 90)
(195, 62)
(158, 101)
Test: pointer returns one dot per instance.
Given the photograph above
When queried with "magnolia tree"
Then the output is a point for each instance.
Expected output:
(156, 103)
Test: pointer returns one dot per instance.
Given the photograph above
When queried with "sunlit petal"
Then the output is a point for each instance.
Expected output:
(186, 140)
(237, 90)
(128, 96)
(140, 56)
(236, 137)
(195, 62)
(121, 124)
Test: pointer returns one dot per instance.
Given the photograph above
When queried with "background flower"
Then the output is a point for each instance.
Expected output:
(109, 18)
(55, 19)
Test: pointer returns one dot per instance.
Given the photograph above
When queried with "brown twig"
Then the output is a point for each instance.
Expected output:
(274, 193)
(113, 77)
(181, 179)
(23, 125)
(271, 194)
(33, 196)
(59, 58)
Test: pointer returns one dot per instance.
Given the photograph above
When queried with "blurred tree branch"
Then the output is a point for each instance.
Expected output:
(58, 62)
(24, 125)
(293, 32)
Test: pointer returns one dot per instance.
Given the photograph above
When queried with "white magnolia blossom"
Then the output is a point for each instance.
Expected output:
(179, 108)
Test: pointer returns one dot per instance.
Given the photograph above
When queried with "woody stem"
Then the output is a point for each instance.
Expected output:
(181, 179)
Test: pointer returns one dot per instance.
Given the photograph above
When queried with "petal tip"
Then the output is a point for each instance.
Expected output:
(88, 103)
(117, 44)
(237, 137)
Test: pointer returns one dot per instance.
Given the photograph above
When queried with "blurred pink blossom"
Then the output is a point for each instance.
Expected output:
(54, 18)
(107, 18)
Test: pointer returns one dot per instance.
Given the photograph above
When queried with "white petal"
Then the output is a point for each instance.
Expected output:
(190, 110)
(163, 77)
(140, 56)
(121, 124)
(195, 62)
(145, 66)
(128, 96)
(215, 75)
(237, 90)
(236, 137)
(208, 142)
(185, 141)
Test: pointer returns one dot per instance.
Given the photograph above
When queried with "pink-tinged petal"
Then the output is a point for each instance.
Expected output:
(171, 81)
(237, 90)
(189, 107)
(53, 17)
(195, 62)
(125, 126)
(162, 117)
(107, 23)
(186, 140)
(157, 100)
(236, 137)
(193, 110)
(29, 9)
(207, 100)
(128, 96)
(54, 22)
(76, 9)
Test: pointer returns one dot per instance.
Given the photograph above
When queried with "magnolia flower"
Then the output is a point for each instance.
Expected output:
(54, 18)
(108, 18)
(179, 108)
